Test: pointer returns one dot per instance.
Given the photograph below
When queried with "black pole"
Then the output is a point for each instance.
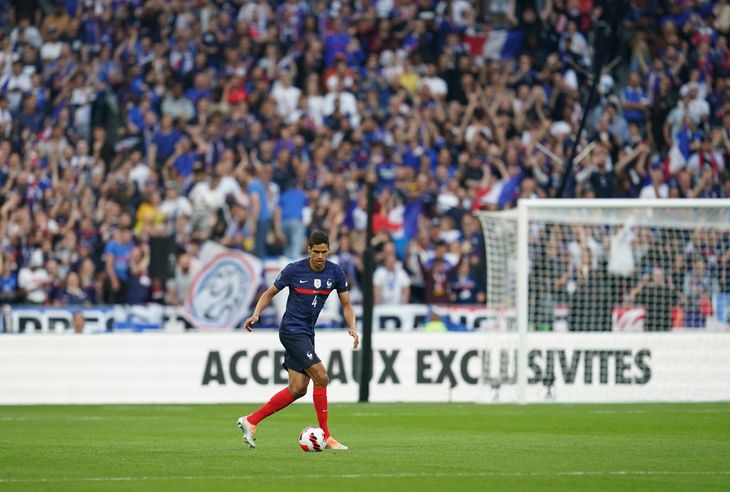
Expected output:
(366, 360)
(605, 34)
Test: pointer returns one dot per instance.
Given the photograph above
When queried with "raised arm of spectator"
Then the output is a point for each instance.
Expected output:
(466, 119)
(639, 287)
(547, 9)
(519, 118)
(625, 159)
(702, 184)
(144, 263)
(511, 13)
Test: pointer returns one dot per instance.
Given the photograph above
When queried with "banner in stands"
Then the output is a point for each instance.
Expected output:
(438, 367)
(223, 288)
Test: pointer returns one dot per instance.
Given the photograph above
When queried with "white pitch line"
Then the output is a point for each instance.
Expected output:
(380, 475)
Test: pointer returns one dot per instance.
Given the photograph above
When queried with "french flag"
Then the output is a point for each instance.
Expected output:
(502, 44)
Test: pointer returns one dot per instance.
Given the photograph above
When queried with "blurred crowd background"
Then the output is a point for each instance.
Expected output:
(132, 131)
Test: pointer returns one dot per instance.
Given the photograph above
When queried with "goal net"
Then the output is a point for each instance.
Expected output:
(597, 266)
(611, 265)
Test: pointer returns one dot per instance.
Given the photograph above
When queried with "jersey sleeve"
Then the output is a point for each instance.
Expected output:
(340, 280)
(284, 278)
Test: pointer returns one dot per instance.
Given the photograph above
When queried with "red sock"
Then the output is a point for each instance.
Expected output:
(280, 400)
(320, 406)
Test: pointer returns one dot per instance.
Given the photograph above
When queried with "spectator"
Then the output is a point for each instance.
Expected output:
(78, 322)
(73, 294)
(177, 286)
(465, 287)
(391, 283)
(237, 234)
(436, 275)
(289, 213)
(9, 288)
(699, 287)
(116, 260)
(658, 298)
(33, 280)
(657, 188)
(137, 290)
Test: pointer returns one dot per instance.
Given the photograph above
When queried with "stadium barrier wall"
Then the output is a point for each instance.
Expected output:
(153, 317)
(434, 367)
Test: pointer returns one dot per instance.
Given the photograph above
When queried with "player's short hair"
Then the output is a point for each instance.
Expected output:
(319, 237)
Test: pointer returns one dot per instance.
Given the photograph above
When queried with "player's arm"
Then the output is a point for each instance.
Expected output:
(349, 317)
(264, 301)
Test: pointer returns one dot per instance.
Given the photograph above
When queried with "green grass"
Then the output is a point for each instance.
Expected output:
(416, 447)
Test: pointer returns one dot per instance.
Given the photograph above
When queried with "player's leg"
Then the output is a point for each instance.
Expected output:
(318, 374)
(319, 377)
(298, 349)
(297, 388)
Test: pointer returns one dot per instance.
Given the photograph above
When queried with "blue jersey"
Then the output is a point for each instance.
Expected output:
(308, 290)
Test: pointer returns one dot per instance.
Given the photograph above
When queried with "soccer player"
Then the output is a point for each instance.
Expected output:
(310, 281)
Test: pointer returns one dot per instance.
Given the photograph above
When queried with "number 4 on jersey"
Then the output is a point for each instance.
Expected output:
(314, 302)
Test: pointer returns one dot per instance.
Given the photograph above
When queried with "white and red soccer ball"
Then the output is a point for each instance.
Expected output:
(312, 439)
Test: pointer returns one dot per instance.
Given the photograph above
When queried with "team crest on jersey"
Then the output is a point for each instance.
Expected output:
(329, 283)
(317, 283)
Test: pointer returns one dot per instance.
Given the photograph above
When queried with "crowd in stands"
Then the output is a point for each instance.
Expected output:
(132, 131)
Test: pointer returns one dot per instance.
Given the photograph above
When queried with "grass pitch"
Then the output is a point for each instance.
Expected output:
(415, 447)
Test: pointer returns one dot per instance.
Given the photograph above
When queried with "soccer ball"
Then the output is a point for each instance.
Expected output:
(312, 439)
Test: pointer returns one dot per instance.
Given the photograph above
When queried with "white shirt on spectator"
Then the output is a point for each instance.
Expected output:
(51, 50)
(391, 284)
(348, 106)
(436, 86)
(287, 98)
(31, 34)
(139, 174)
(315, 105)
(34, 283)
(698, 109)
(229, 186)
(203, 198)
(620, 255)
(383, 8)
(649, 191)
(178, 206)
(333, 81)
(82, 98)
(16, 86)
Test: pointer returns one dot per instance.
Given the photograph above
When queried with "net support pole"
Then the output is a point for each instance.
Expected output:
(523, 271)
(366, 359)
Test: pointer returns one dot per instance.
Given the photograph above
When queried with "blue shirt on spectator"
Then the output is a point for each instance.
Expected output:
(335, 43)
(121, 253)
(184, 164)
(634, 95)
(257, 187)
(166, 143)
(8, 284)
(292, 201)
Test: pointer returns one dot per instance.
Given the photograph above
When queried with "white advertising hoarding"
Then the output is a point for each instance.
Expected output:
(439, 367)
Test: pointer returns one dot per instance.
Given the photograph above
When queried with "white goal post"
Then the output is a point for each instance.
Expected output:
(598, 266)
